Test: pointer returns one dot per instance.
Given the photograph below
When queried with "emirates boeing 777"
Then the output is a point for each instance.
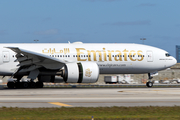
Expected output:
(78, 62)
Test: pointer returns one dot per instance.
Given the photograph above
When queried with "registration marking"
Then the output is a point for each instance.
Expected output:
(60, 104)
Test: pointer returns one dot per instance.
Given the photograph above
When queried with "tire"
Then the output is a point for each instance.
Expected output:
(149, 84)
(18, 85)
(11, 85)
(32, 85)
(25, 84)
(39, 85)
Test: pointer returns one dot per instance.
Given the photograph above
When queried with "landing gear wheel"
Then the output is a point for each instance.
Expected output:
(32, 84)
(39, 85)
(11, 85)
(25, 85)
(149, 84)
(18, 85)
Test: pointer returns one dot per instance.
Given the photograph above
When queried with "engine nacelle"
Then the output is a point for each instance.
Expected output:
(84, 72)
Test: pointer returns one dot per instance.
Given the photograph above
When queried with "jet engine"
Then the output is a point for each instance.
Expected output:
(84, 72)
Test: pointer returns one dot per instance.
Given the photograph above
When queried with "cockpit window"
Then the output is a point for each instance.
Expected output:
(167, 54)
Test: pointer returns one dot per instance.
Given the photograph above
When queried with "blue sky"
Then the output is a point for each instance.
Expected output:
(91, 21)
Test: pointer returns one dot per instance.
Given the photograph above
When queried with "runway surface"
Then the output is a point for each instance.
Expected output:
(89, 97)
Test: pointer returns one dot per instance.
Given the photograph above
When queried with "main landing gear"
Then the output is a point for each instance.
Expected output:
(15, 84)
(149, 83)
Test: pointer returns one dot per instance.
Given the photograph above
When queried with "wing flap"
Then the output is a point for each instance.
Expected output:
(27, 59)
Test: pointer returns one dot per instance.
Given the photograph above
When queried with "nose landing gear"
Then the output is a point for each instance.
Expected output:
(149, 83)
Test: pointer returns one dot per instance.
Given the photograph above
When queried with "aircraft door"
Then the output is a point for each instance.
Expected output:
(5, 56)
(149, 56)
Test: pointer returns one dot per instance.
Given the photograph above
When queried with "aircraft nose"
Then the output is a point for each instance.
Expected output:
(174, 61)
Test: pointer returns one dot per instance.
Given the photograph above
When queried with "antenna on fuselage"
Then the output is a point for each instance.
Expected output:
(36, 41)
(143, 39)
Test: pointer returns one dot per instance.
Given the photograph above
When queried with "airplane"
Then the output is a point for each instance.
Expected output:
(78, 62)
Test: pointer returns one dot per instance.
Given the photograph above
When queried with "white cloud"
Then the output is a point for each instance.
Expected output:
(47, 32)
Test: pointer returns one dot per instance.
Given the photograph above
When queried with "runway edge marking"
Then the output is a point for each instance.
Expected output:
(60, 104)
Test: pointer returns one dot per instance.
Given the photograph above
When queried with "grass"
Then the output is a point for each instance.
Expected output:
(85, 113)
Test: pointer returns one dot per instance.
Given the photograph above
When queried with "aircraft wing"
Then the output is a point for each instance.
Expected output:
(29, 60)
